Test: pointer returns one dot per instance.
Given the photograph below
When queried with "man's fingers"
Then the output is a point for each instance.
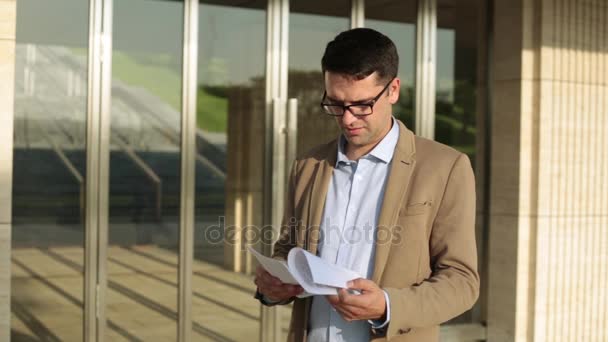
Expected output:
(345, 315)
(345, 297)
(273, 288)
(333, 300)
(362, 284)
(283, 291)
(259, 270)
(267, 279)
(349, 313)
(295, 289)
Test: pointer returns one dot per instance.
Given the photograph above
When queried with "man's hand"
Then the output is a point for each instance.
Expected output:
(273, 288)
(369, 305)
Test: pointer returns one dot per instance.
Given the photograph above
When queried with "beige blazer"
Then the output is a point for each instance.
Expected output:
(426, 256)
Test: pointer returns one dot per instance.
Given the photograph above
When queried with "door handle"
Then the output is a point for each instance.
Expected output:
(292, 131)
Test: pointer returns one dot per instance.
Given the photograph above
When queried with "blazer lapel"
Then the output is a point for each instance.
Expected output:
(323, 172)
(401, 168)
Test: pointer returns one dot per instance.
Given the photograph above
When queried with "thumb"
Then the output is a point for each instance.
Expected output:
(362, 284)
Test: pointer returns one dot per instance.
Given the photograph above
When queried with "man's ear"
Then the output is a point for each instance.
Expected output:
(393, 91)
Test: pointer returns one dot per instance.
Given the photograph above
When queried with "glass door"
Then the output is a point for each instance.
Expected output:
(312, 24)
(144, 163)
(397, 20)
(48, 231)
(230, 135)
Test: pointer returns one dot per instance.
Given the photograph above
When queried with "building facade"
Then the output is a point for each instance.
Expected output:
(145, 144)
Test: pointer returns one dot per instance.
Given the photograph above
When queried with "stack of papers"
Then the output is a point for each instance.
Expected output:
(315, 275)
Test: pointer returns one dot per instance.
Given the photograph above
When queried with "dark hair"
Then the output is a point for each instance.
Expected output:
(359, 53)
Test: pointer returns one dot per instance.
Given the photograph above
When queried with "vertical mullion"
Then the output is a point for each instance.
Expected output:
(357, 13)
(103, 204)
(92, 171)
(188, 168)
(277, 46)
(270, 84)
(426, 61)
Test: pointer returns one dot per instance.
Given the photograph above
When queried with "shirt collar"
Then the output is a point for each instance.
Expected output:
(383, 151)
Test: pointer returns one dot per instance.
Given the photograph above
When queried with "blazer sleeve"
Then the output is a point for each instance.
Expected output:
(288, 231)
(453, 286)
(287, 235)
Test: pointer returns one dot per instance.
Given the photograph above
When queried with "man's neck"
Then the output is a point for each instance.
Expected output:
(355, 152)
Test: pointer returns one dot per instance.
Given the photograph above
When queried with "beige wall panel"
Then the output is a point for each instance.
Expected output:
(505, 148)
(7, 70)
(549, 175)
(7, 75)
(508, 30)
(8, 17)
(547, 139)
(528, 147)
(501, 277)
(5, 281)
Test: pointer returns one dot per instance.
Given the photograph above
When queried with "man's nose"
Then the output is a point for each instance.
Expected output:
(348, 118)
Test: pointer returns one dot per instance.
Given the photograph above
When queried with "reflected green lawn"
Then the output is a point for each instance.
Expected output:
(158, 75)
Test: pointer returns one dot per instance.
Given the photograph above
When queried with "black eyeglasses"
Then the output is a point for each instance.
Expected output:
(356, 109)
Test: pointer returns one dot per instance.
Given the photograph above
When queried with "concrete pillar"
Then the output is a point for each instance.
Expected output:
(548, 239)
(8, 18)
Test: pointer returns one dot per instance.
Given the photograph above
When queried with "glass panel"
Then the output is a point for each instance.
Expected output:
(145, 170)
(461, 41)
(229, 169)
(458, 41)
(397, 20)
(312, 24)
(49, 169)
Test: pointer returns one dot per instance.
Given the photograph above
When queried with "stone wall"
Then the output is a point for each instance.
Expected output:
(8, 16)
(548, 248)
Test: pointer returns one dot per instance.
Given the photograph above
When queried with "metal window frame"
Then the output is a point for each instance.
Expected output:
(357, 13)
(97, 167)
(98, 152)
(103, 204)
(426, 67)
(277, 48)
(188, 169)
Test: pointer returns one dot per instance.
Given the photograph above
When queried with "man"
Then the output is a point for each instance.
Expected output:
(396, 208)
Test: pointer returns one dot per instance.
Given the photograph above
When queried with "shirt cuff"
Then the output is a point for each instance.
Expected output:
(263, 299)
(378, 324)
(269, 301)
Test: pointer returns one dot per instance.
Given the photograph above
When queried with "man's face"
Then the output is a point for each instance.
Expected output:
(362, 132)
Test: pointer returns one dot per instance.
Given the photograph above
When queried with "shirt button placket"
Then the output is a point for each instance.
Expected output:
(345, 247)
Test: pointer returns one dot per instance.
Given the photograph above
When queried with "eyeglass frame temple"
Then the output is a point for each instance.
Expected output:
(371, 103)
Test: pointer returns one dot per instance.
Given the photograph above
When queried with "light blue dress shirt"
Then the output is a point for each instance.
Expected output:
(352, 207)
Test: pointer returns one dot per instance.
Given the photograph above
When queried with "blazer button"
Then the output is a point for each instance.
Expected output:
(404, 331)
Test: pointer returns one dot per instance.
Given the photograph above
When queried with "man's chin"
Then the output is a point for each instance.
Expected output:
(355, 140)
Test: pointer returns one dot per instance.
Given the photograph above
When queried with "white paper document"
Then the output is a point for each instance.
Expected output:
(315, 275)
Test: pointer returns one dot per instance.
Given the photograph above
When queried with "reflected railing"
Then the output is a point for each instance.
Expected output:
(145, 168)
(72, 170)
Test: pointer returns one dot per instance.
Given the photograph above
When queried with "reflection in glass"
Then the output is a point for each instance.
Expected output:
(397, 20)
(145, 170)
(49, 171)
(461, 36)
(458, 39)
(311, 27)
(229, 170)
